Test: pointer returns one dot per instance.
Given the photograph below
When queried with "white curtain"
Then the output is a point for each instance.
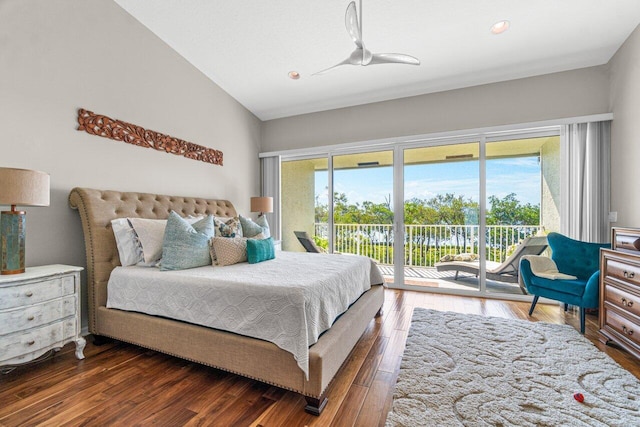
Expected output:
(587, 164)
(271, 187)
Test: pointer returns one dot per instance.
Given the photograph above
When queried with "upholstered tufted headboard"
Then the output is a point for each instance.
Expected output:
(98, 207)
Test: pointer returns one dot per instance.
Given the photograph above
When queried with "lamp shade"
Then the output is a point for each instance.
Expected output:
(24, 187)
(262, 204)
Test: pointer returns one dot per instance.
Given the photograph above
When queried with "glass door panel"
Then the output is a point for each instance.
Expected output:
(363, 207)
(442, 217)
(523, 200)
(304, 201)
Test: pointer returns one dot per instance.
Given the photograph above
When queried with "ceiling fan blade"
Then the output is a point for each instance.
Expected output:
(345, 62)
(351, 22)
(393, 58)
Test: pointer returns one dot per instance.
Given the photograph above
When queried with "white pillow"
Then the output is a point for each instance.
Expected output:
(150, 234)
(129, 249)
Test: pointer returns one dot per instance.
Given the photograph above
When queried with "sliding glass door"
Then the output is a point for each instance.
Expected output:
(441, 216)
(304, 201)
(523, 201)
(472, 209)
(363, 206)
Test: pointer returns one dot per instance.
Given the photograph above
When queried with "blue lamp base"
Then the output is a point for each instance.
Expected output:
(13, 228)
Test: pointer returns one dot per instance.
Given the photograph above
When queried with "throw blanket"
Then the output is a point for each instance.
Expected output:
(543, 266)
(288, 301)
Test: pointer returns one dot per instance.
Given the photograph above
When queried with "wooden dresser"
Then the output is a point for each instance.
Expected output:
(39, 311)
(620, 291)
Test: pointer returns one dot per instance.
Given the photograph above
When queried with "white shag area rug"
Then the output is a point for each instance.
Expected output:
(470, 370)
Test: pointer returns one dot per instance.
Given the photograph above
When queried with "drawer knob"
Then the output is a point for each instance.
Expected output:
(29, 294)
(628, 274)
(32, 342)
(627, 331)
(30, 318)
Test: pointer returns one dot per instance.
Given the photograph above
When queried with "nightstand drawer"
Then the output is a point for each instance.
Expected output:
(35, 292)
(624, 300)
(35, 339)
(33, 316)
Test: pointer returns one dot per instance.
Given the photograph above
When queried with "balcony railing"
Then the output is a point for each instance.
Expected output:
(424, 245)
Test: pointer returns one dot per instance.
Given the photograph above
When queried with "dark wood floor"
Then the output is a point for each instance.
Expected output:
(121, 384)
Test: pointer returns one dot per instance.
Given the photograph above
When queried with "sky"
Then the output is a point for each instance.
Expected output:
(519, 175)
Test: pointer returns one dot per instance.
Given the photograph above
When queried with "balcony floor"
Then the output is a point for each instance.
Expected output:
(430, 277)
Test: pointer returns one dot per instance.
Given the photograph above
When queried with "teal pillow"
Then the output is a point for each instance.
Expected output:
(186, 245)
(250, 228)
(260, 250)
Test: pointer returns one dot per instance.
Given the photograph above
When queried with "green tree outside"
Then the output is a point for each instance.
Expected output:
(455, 215)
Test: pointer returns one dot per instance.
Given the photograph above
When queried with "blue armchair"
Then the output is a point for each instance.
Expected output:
(573, 257)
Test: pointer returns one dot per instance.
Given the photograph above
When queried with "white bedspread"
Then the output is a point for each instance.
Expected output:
(288, 301)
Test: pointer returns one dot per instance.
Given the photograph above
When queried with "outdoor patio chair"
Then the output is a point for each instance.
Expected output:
(506, 271)
(307, 242)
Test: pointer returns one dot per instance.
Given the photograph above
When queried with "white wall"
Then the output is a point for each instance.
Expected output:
(625, 132)
(552, 96)
(58, 56)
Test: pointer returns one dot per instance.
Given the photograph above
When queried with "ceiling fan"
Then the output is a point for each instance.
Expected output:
(361, 55)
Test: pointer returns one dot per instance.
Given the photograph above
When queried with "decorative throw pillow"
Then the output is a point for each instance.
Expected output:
(229, 250)
(250, 228)
(228, 227)
(150, 233)
(186, 245)
(262, 222)
(150, 236)
(260, 250)
(465, 257)
(213, 251)
(129, 248)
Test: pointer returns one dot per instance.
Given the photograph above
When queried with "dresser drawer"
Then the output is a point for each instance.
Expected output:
(621, 270)
(622, 299)
(625, 239)
(19, 319)
(36, 291)
(630, 330)
(29, 341)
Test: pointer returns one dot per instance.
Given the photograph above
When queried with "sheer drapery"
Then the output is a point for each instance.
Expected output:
(271, 188)
(587, 164)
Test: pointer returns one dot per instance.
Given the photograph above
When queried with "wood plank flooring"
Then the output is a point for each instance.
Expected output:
(124, 385)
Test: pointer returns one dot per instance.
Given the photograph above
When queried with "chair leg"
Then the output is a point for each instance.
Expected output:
(566, 306)
(582, 319)
(533, 304)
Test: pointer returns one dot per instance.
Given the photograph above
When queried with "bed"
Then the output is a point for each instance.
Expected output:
(250, 357)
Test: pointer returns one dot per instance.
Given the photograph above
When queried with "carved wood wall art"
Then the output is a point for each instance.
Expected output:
(97, 124)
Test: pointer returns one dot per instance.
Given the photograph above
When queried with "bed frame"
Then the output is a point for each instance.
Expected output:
(249, 357)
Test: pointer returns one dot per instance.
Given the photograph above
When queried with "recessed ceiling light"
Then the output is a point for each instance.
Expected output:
(500, 27)
(294, 75)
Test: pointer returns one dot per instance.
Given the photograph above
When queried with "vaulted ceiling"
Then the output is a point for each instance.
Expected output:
(248, 47)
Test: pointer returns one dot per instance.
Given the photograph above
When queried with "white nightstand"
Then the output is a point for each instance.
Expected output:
(39, 311)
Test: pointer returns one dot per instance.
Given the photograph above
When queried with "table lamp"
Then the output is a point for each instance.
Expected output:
(25, 188)
(262, 205)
